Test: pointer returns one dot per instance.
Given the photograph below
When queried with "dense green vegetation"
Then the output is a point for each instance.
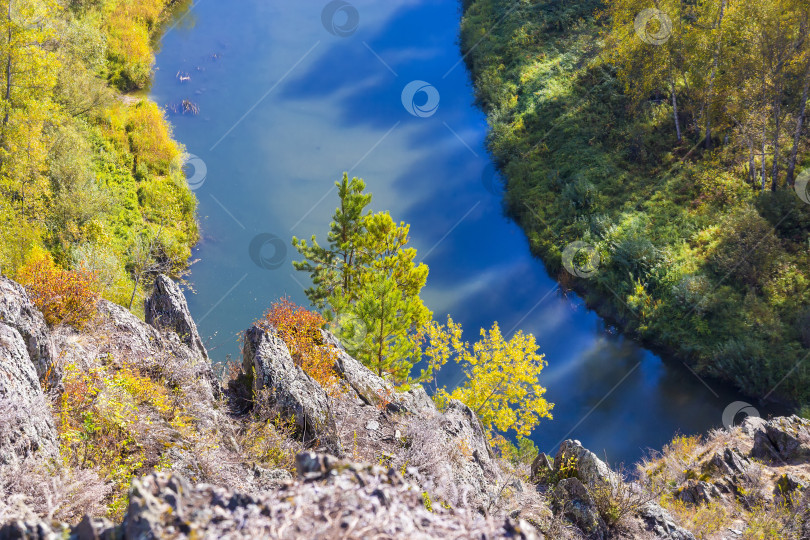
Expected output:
(86, 173)
(700, 236)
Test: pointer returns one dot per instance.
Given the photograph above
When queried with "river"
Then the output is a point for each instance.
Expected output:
(290, 95)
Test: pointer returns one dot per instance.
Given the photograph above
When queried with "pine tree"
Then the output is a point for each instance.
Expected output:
(333, 268)
(368, 283)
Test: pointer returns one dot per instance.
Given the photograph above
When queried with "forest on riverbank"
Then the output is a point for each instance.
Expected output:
(90, 176)
(668, 142)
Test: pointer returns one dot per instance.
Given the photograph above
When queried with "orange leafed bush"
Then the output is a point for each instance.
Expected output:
(301, 331)
(63, 296)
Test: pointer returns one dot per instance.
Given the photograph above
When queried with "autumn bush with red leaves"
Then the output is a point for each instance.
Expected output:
(300, 329)
(67, 297)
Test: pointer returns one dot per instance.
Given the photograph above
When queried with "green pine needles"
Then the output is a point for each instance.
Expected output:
(367, 283)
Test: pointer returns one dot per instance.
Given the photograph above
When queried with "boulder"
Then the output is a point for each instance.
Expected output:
(726, 464)
(783, 439)
(660, 522)
(752, 424)
(18, 312)
(167, 310)
(95, 529)
(373, 389)
(416, 400)
(590, 469)
(26, 424)
(270, 478)
(368, 386)
(571, 499)
(541, 467)
(698, 492)
(288, 387)
(477, 470)
(151, 500)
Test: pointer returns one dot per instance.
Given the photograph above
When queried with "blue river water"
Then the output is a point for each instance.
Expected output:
(290, 95)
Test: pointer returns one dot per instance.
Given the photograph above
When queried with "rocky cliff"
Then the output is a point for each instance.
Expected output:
(273, 453)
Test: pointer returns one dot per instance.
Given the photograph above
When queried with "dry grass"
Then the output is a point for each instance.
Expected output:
(50, 489)
(751, 509)
(619, 499)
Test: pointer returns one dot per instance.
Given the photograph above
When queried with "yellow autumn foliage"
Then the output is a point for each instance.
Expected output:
(502, 385)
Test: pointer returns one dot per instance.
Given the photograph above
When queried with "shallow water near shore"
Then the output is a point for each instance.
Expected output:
(287, 102)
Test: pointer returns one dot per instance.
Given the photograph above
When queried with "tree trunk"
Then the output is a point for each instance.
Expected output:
(752, 166)
(134, 290)
(715, 63)
(7, 104)
(799, 125)
(777, 108)
(675, 111)
(764, 122)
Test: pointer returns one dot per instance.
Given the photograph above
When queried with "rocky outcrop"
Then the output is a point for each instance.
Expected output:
(167, 310)
(571, 499)
(18, 312)
(331, 499)
(590, 469)
(697, 492)
(541, 467)
(121, 335)
(373, 389)
(277, 378)
(26, 425)
(661, 524)
(441, 477)
(783, 439)
(730, 462)
(478, 469)
(576, 476)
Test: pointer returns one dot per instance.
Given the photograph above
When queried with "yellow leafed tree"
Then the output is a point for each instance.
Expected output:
(502, 385)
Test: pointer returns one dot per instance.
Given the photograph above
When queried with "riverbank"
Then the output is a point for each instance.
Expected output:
(91, 175)
(684, 255)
